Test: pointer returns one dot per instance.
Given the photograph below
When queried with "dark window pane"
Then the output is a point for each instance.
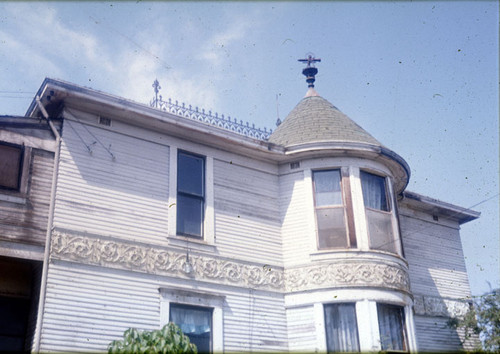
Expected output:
(327, 188)
(190, 174)
(10, 166)
(391, 327)
(195, 322)
(374, 193)
(341, 328)
(189, 215)
(331, 228)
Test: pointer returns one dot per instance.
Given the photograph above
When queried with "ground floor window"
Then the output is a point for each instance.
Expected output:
(392, 327)
(195, 322)
(341, 327)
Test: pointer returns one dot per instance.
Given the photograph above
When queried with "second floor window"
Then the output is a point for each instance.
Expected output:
(330, 211)
(11, 160)
(190, 194)
(378, 215)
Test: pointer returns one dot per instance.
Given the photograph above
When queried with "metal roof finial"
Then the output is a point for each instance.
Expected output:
(310, 71)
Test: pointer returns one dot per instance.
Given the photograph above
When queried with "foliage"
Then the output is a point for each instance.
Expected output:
(169, 339)
(483, 318)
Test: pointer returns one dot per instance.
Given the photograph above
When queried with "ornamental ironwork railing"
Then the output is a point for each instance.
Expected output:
(182, 110)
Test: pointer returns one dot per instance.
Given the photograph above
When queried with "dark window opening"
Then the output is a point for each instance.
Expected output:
(190, 194)
(19, 295)
(11, 161)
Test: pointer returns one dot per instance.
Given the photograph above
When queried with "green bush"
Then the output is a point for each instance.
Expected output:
(169, 339)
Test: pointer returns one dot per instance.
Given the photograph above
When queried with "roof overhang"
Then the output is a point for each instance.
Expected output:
(55, 94)
(396, 164)
(436, 207)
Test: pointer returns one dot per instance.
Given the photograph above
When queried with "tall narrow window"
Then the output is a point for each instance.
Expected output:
(196, 323)
(190, 194)
(341, 328)
(378, 216)
(330, 213)
(392, 327)
(11, 160)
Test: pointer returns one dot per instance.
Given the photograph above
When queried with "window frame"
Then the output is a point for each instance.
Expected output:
(20, 171)
(402, 324)
(196, 298)
(390, 214)
(333, 304)
(346, 206)
(208, 309)
(202, 198)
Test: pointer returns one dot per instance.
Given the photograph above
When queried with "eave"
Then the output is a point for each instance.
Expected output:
(57, 93)
(437, 207)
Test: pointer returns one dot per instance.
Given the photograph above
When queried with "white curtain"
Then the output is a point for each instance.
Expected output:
(391, 327)
(327, 188)
(374, 194)
(191, 320)
(341, 328)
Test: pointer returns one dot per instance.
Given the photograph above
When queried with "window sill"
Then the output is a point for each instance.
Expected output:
(16, 199)
(194, 244)
(354, 252)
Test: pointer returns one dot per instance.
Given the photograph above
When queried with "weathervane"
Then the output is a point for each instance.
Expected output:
(310, 71)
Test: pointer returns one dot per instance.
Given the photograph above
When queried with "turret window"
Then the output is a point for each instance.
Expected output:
(330, 210)
(377, 209)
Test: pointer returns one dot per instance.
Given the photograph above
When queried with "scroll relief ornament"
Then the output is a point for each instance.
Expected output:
(151, 260)
(337, 274)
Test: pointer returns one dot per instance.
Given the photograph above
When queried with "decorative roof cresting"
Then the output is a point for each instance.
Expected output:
(181, 110)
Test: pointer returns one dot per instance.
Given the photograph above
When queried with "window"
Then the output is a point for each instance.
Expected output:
(377, 208)
(341, 328)
(190, 194)
(330, 210)
(392, 327)
(196, 323)
(11, 161)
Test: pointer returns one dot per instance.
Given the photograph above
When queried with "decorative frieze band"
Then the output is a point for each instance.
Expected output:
(163, 262)
(440, 307)
(362, 273)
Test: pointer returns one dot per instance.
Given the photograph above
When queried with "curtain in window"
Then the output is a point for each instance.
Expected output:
(191, 320)
(391, 327)
(374, 194)
(341, 328)
(327, 188)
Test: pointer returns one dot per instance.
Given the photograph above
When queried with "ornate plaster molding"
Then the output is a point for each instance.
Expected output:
(155, 260)
(163, 261)
(362, 273)
(439, 307)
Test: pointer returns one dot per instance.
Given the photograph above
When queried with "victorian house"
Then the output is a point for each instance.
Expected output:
(303, 239)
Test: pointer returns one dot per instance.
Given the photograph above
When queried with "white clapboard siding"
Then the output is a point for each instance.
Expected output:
(246, 213)
(435, 257)
(87, 307)
(248, 238)
(301, 329)
(434, 335)
(295, 228)
(126, 197)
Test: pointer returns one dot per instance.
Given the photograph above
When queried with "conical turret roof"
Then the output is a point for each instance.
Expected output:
(314, 119)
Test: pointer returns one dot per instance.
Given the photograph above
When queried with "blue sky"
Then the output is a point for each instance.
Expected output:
(421, 77)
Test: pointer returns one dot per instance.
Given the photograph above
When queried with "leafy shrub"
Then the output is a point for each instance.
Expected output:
(169, 339)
